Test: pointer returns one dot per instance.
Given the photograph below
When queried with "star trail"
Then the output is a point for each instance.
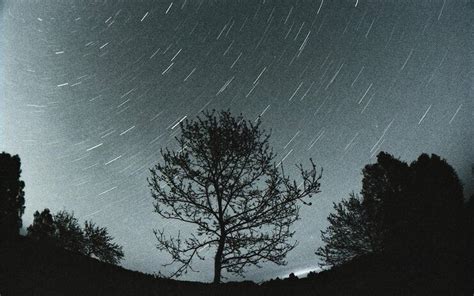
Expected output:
(91, 90)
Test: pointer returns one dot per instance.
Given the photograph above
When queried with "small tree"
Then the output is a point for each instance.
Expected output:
(63, 230)
(43, 227)
(68, 232)
(350, 233)
(223, 181)
(99, 244)
(12, 196)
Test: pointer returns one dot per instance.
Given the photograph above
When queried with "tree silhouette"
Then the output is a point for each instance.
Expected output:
(365, 224)
(68, 232)
(431, 215)
(63, 230)
(223, 181)
(409, 212)
(469, 233)
(350, 233)
(12, 196)
(292, 277)
(43, 227)
(384, 183)
(99, 244)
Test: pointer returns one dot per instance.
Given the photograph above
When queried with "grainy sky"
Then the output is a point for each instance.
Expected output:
(90, 91)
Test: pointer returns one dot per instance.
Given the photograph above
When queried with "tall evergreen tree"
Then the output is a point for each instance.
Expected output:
(12, 196)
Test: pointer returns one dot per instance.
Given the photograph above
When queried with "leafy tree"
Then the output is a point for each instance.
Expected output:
(63, 230)
(409, 212)
(99, 244)
(364, 224)
(384, 183)
(12, 196)
(350, 233)
(224, 181)
(68, 232)
(431, 214)
(292, 277)
(469, 232)
(43, 227)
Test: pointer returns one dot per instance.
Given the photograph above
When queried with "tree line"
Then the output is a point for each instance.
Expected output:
(223, 179)
(413, 213)
(61, 229)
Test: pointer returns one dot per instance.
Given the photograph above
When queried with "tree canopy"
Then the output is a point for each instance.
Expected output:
(64, 230)
(411, 212)
(12, 196)
(350, 233)
(224, 181)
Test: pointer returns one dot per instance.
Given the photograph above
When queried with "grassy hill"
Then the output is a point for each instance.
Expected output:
(31, 268)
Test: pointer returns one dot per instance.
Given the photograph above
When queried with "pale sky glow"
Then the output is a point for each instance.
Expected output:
(91, 90)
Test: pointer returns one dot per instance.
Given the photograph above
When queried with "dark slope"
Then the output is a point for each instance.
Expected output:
(375, 275)
(32, 268)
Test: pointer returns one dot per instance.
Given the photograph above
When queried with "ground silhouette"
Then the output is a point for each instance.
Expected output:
(431, 254)
(33, 268)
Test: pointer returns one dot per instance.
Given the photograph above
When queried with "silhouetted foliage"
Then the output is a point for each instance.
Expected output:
(384, 183)
(12, 196)
(68, 232)
(469, 232)
(99, 244)
(43, 227)
(350, 233)
(63, 230)
(410, 212)
(429, 229)
(223, 179)
(292, 277)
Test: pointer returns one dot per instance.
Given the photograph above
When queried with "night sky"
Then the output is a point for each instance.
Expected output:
(91, 90)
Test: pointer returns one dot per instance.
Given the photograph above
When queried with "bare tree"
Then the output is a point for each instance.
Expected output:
(224, 181)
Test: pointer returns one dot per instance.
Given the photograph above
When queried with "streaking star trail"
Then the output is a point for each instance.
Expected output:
(93, 89)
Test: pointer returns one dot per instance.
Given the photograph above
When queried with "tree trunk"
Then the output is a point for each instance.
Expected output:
(218, 261)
